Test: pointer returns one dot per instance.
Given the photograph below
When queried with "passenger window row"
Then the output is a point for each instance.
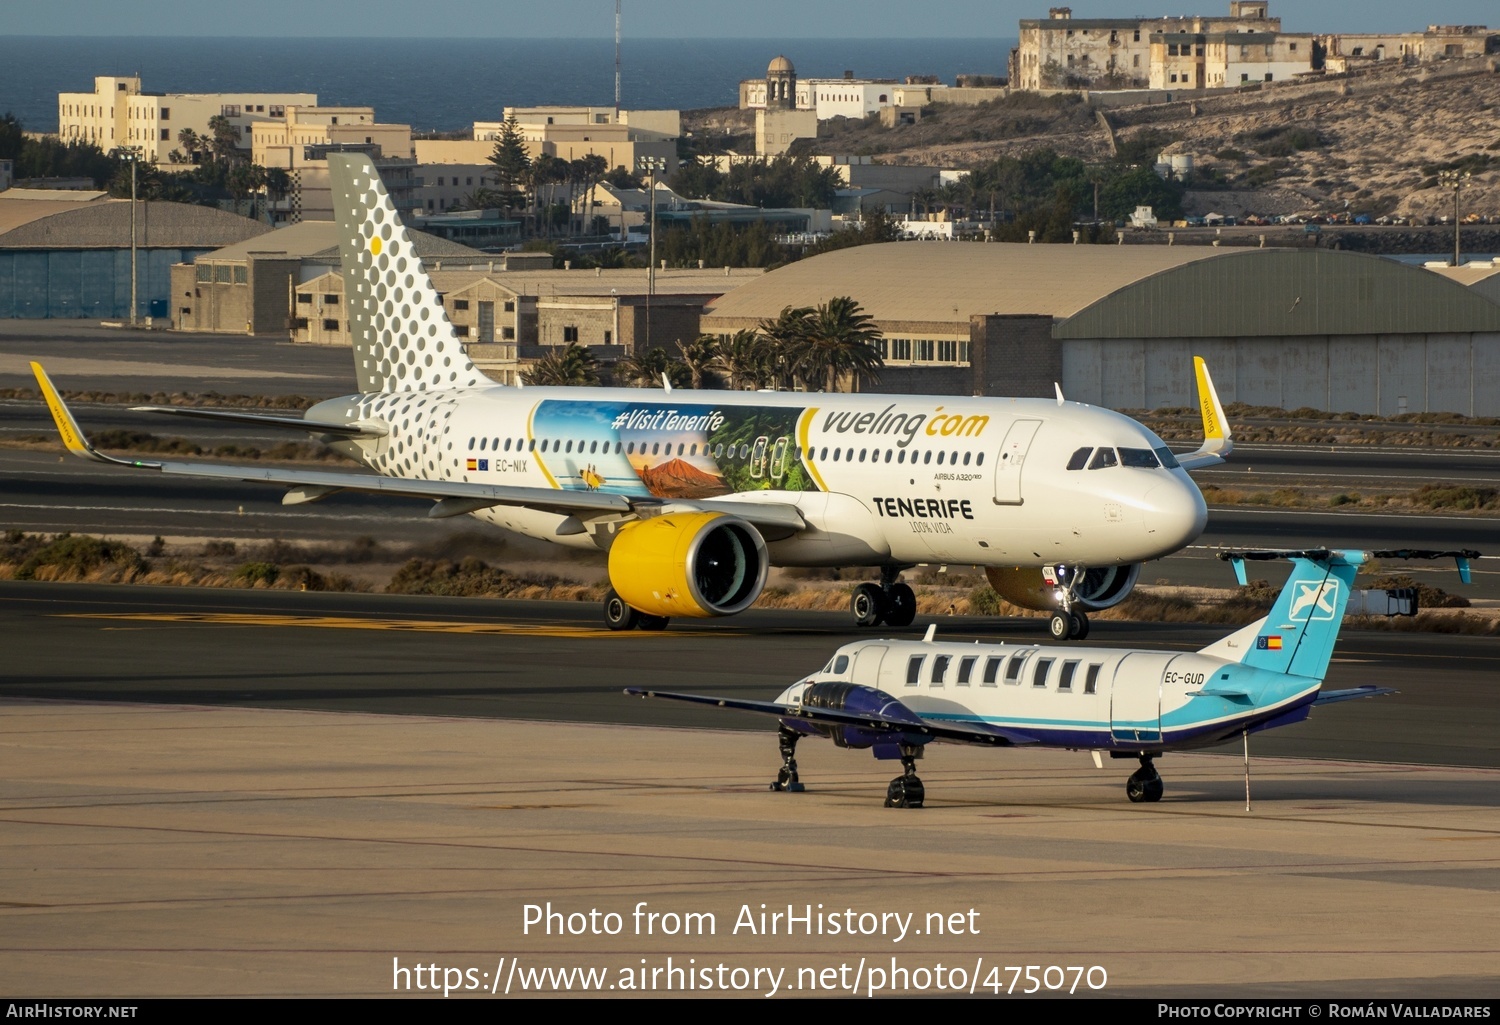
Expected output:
(1041, 671)
(657, 448)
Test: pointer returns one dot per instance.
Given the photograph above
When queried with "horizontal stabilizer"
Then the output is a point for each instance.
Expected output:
(1216, 691)
(1328, 697)
(295, 423)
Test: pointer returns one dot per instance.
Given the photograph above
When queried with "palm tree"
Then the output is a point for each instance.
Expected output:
(841, 342)
(225, 139)
(574, 365)
(785, 341)
(698, 357)
(645, 370)
(742, 359)
(191, 142)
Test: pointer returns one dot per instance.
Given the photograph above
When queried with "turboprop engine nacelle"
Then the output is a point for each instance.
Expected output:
(688, 564)
(860, 699)
(1102, 587)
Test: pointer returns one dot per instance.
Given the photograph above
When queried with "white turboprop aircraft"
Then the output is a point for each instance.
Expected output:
(695, 494)
(896, 697)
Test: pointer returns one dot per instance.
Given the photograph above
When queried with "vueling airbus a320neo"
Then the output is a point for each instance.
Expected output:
(695, 494)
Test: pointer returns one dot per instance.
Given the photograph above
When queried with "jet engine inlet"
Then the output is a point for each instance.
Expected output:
(690, 564)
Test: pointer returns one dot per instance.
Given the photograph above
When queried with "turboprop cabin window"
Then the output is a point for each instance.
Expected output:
(1103, 458)
(939, 669)
(1043, 667)
(1013, 669)
(1091, 681)
(1080, 459)
(965, 669)
(992, 669)
(914, 670)
(1065, 679)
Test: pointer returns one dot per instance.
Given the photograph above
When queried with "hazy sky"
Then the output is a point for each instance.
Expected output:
(882, 19)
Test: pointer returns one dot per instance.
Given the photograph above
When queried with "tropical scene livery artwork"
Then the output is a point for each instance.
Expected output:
(671, 450)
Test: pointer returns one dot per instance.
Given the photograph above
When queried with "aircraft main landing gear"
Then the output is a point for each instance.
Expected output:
(890, 602)
(1144, 784)
(786, 779)
(620, 616)
(906, 790)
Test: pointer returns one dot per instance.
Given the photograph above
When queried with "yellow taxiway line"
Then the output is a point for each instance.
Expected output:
(356, 623)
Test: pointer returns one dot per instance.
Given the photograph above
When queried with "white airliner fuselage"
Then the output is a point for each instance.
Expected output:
(877, 478)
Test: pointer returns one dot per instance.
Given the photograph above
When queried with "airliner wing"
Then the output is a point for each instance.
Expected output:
(452, 498)
(295, 423)
(968, 733)
(1218, 440)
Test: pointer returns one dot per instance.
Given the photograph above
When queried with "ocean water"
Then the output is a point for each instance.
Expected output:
(447, 84)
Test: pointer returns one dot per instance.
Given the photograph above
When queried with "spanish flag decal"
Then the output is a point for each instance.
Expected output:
(1270, 642)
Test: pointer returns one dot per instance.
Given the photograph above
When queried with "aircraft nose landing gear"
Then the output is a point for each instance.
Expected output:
(906, 790)
(786, 779)
(1144, 784)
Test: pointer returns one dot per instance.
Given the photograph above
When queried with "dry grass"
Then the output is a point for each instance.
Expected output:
(364, 565)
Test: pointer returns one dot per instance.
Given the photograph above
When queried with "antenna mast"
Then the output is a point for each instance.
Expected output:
(617, 60)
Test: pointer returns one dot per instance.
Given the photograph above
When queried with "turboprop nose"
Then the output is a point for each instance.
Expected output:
(1175, 514)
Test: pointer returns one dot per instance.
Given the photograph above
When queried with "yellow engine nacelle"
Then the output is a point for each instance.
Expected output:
(688, 564)
(1102, 587)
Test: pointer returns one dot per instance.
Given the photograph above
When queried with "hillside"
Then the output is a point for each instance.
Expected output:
(1375, 140)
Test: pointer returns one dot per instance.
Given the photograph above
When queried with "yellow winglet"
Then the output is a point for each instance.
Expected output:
(72, 434)
(1216, 432)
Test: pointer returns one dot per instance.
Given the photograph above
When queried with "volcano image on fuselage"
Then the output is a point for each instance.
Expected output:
(678, 478)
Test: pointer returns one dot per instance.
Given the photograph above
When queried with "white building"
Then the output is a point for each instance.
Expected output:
(118, 114)
(831, 97)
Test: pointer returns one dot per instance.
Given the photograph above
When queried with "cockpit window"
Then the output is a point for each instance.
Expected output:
(1167, 458)
(1080, 459)
(1102, 458)
(1142, 457)
(841, 665)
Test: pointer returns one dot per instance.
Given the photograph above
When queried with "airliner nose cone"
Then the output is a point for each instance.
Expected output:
(1175, 514)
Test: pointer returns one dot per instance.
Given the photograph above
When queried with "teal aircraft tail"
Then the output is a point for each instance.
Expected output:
(1297, 637)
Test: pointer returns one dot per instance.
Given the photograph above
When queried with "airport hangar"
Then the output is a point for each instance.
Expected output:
(67, 254)
(1117, 325)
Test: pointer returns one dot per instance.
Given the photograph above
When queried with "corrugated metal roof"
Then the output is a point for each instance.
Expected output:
(950, 281)
(1285, 293)
(1122, 291)
(106, 225)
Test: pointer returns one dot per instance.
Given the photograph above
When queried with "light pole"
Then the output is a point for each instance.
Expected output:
(133, 156)
(1455, 180)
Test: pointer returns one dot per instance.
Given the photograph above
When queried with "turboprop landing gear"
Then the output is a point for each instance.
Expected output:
(891, 602)
(786, 779)
(620, 616)
(906, 790)
(1144, 784)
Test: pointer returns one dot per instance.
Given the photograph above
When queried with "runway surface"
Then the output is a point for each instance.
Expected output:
(555, 661)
